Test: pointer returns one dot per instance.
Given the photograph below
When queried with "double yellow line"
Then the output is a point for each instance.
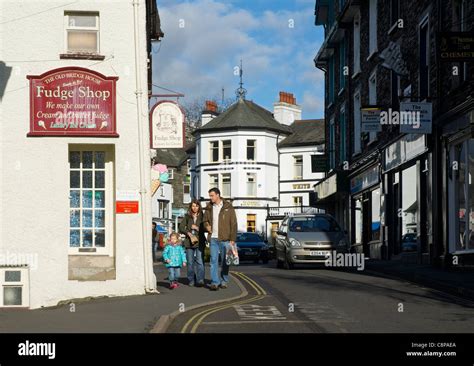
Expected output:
(199, 317)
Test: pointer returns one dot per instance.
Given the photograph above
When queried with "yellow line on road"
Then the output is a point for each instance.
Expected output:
(203, 314)
(245, 277)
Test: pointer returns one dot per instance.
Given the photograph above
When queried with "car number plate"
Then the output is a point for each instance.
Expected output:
(250, 252)
(316, 253)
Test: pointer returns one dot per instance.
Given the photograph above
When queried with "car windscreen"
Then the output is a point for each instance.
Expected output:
(249, 237)
(313, 224)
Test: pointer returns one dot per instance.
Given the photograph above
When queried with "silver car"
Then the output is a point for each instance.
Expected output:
(308, 238)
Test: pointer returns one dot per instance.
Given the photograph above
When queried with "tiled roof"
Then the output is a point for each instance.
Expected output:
(305, 132)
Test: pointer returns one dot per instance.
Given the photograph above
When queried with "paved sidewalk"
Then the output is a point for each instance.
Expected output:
(130, 314)
(455, 281)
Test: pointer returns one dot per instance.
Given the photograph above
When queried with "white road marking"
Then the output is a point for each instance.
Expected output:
(323, 313)
(258, 312)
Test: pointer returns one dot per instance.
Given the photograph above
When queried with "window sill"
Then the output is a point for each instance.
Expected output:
(81, 56)
(374, 52)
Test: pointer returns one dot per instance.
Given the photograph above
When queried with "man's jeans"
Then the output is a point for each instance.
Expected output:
(173, 274)
(219, 248)
(195, 265)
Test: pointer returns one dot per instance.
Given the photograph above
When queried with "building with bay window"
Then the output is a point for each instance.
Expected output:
(75, 214)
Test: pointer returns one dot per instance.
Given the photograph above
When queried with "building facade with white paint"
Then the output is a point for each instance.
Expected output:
(75, 215)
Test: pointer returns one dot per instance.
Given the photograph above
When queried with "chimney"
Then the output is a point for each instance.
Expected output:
(286, 111)
(209, 112)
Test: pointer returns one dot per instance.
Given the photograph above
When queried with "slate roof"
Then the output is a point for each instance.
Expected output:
(171, 157)
(305, 132)
(244, 114)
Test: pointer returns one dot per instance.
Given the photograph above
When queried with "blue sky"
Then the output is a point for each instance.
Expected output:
(205, 40)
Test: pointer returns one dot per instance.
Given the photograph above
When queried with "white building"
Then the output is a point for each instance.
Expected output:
(237, 152)
(301, 154)
(70, 188)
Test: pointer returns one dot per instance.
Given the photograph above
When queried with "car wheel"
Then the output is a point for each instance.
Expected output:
(287, 264)
(279, 263)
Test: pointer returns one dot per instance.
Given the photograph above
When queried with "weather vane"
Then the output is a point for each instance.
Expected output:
(241, 91)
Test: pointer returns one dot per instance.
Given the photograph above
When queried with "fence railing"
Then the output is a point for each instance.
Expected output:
(288, 210)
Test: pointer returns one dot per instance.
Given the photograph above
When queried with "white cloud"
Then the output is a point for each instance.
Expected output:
(199, 59)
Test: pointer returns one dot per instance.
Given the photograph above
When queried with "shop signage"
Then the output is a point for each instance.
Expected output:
(456, 46)
(126, 202)
(365, 179)
(167, 126)
(403, 150)
(72, 101)
(250, 203)
(370, 119)
(327, 187)
(418, 117)
(301, 186)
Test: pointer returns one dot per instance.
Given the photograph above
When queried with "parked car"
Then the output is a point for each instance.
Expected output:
(409, 242)
(252, 247)
(308, 238)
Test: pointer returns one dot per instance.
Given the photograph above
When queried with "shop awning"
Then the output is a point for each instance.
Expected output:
(330, 188)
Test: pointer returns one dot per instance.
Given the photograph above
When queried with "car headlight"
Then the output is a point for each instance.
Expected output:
(294, 243)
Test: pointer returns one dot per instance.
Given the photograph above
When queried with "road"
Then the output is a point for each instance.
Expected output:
(319, 300)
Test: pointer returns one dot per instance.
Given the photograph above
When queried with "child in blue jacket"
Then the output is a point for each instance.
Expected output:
(174, 258)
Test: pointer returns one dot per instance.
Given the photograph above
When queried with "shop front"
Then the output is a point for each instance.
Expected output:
(460, 190)
(406, 225)
(332, 196)
(366, 212)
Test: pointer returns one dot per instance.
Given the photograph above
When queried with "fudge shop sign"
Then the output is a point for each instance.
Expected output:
(72, 101)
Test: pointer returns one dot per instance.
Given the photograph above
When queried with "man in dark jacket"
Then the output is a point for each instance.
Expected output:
(220, 222)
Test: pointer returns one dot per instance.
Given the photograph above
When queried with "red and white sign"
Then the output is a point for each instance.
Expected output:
(72, 101)
(167, 126)
(127, 202)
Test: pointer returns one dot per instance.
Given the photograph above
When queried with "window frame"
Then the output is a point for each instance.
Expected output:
(372, 91)
(229, 175)
(209, 181)
(68, 28)
(212, 148)
(254, 147)
(109, 197)
(373, 39)
(295, 165)
(23, 284)
(249, 175)
(224, 147)
(356, 43)
(425, 22)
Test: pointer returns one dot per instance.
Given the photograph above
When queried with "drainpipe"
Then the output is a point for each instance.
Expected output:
(150, 279)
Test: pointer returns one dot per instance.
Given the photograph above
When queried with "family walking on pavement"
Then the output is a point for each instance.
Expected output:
(217, 227)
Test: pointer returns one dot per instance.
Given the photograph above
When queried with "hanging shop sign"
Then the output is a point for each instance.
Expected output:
(365, 179)
(416, 117)
(167, 126)
(72, 101)
(456, 46)
(370, 119)
(403, 150)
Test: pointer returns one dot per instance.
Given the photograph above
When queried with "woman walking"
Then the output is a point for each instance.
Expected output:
(191, 227)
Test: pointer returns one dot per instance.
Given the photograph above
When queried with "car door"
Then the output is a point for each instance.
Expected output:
(280, 239)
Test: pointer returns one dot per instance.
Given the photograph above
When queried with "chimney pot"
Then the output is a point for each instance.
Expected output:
(211, 106)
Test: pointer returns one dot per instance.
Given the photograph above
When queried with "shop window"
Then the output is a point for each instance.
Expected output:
(82, 32)
(251, 223)
(375, 230)
(409, 204)
(90, 199)
(358, 220)
(463, 171)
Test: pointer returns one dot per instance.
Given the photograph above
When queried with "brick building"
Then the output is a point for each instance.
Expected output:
(389, 184)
